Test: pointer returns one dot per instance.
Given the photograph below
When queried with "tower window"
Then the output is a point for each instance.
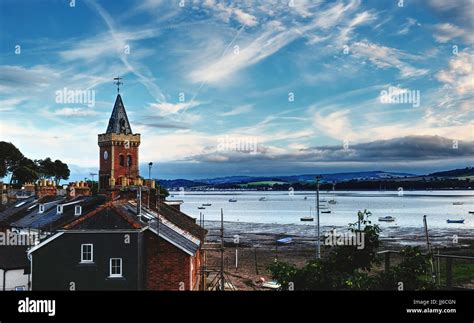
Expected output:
(121, 160)
(129, 160)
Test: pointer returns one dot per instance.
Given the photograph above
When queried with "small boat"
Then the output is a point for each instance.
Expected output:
(263, 198)
(471, 212)
(307, 219)
(387, 218)
(458, 203)
(271, 285)
(455, 221)
(332, 201)
(207, 204)
(323, 201)
(305, 197)
(232, 200)
(201, 208)
(286, 240)
(326, 211)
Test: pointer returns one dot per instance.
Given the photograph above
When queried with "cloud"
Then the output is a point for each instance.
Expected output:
(387, 57)
(460, 75)
(406, 27)
(238, 110)
(10, 104)
(271, 38)
(226, 12)
(74, 112)
(446, 32)
(167, 108)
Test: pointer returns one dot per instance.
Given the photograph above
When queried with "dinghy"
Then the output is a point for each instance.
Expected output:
(387, 218)
(455, 221)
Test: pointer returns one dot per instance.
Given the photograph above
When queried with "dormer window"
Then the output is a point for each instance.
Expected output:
(41, 208)
(59, 209)
(77, 210)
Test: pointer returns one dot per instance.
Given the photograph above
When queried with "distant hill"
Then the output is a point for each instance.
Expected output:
(462, 172)
(235, 180)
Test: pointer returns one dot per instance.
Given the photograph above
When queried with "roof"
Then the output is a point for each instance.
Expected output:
(179, 218)
(118, 122)
(13, 257)
(19, 209)
(108, 216)
(167, 230)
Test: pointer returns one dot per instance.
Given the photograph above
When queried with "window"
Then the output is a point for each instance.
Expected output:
(129, 160)
(41, 208)
(77, 210)
(115, 267)
(87, 253)
(121, 160)
(59, 209)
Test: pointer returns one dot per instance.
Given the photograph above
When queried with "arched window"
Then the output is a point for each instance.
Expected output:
(129, 160)
(121, 160)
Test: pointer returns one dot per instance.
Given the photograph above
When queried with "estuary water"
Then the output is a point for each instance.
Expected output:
(288, 207)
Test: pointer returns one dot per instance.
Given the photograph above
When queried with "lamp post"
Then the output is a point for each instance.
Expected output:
(150, 164)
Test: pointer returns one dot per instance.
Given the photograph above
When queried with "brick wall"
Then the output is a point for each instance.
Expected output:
(166, 266)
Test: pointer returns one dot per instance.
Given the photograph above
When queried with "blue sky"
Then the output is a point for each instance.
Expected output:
(243, 87)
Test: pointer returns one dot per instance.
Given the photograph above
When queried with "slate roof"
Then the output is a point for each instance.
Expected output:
(118, 122)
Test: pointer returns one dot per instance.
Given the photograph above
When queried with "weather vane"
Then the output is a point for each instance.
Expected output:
(118, 83)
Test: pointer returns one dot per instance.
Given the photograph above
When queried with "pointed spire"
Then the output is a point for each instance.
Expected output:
(118, 122)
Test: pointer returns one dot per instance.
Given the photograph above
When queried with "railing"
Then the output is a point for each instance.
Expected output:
(447, 281)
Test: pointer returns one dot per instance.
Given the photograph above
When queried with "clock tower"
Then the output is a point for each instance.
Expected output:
(118, 151)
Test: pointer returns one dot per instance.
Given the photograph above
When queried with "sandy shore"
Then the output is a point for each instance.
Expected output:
(257, 246)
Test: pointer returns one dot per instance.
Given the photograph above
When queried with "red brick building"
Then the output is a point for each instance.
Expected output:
(128, 242)
(119, 158)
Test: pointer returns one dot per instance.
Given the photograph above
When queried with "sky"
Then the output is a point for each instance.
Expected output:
(221, 88)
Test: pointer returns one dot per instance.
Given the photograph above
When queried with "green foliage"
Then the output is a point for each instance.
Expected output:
(347, 267)
(24, 169)
(10, 158)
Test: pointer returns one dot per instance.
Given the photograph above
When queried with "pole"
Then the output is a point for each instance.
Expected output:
(318, 250)
(149, 183)
(222, 252)
(433, 275)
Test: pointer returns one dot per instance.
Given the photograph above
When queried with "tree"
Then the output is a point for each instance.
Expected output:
(60, 171)
(46, 167)
(10, 158)
(347, 267)
(27, 171)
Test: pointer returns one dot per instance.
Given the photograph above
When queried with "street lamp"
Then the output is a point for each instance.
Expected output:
(150, 164)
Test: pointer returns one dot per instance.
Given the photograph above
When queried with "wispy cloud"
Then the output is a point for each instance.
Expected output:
(238, 110)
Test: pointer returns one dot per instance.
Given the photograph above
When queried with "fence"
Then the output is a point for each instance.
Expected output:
(452, 271)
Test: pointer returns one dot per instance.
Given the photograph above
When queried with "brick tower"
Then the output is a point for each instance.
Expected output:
(118, 151)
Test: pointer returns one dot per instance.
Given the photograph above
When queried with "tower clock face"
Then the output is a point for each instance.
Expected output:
(106, 155)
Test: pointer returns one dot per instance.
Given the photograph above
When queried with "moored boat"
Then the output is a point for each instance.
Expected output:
(387, 218)
(455, 221)
(307, 219)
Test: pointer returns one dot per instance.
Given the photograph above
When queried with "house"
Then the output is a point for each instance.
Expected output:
(117, 247)
(14, 268)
